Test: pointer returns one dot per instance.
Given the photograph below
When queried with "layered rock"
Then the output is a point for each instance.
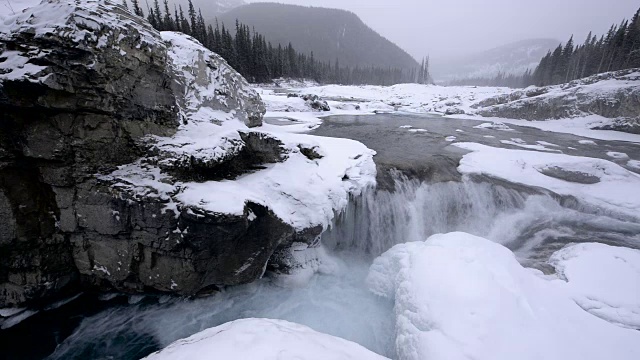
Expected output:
(613, 95)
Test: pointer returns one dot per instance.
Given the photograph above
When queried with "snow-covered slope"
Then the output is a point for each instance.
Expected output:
(263, 339)
(458, 296)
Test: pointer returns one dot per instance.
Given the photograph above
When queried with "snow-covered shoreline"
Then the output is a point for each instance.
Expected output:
(462, 102)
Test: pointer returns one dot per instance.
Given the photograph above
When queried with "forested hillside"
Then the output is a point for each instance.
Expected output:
(618, 49)
(330, 33)
(258, 60)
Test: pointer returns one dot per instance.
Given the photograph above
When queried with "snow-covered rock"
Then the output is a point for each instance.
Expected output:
(265, 339)
(604, 280)
(145, 168)
(596, 182)
(613, 95)
(212, 90)
(458, 296)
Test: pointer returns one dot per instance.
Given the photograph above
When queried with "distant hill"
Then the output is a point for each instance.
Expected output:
(514, 58)
(329, 33)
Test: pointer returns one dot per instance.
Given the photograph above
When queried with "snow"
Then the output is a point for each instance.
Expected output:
(85, 23)
(263, 339)
(432, 99)
(615, 191)
(587, 142)
(14, 7)
(617, 155)
(459, 296)
(520, 143)
(580, 126)
(496, 125)
(300, 191)
(604, 280)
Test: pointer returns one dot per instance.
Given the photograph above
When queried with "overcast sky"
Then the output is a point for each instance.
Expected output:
(445, 28)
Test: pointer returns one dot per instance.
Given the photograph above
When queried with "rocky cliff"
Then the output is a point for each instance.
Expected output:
(118, 150)
(613, 95)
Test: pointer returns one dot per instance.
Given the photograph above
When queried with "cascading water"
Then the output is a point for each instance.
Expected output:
(532, 223)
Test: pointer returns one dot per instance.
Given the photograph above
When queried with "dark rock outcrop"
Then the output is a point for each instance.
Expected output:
(86, 88)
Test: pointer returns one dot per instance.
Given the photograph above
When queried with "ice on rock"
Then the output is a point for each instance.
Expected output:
(459, 296)
(266, 339)
(617, 155)
(496, 125)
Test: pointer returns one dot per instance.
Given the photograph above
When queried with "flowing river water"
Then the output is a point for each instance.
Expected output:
(420, 193)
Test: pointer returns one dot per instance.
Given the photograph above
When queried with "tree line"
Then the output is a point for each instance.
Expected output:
(618, 49)
(249, 53)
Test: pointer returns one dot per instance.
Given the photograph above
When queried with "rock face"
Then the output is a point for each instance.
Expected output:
(613, 95)
(86, 89)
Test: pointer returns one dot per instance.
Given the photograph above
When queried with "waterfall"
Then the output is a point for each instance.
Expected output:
(525, 220)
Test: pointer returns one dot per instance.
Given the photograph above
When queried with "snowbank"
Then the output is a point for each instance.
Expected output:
(594, 181)
(604, 280)
(263, 339)
(458, 296)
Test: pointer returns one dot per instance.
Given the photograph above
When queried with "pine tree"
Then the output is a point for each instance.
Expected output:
(193, 21)
(158, 16)
(136, 8)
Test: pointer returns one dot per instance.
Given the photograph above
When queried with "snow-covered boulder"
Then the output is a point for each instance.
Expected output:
(458, 296)
(263, 339)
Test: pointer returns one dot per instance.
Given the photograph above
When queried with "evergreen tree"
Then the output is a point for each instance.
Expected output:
(136, 8)
(167, 20)
(193, 20)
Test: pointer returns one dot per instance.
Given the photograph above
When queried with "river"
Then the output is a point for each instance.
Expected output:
(420, 193)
